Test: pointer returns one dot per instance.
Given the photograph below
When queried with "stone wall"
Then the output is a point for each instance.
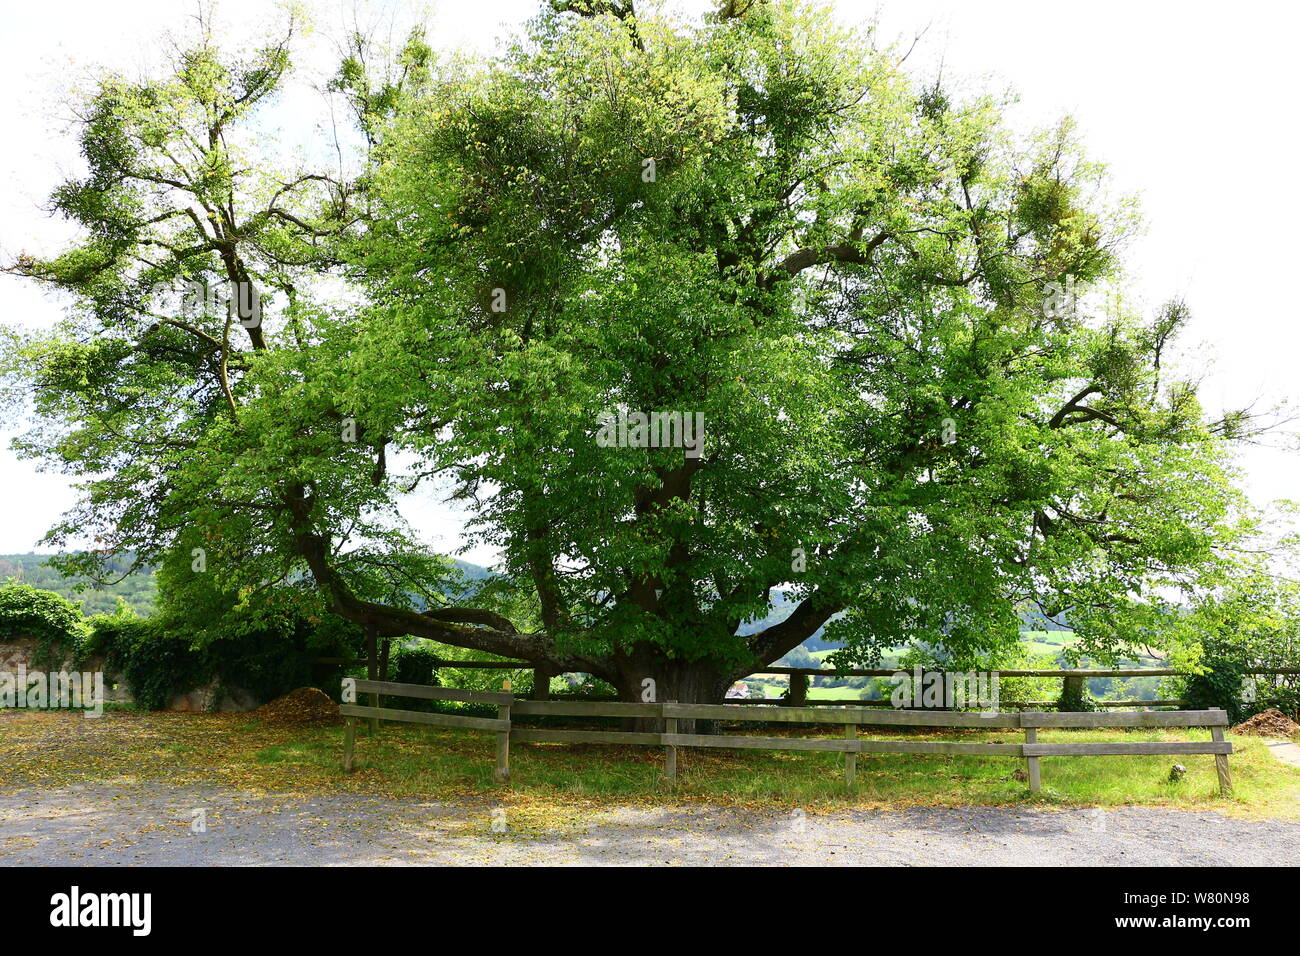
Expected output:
(20, 651)
(201, 700)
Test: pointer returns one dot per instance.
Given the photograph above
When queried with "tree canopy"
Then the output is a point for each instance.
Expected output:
(855, 278)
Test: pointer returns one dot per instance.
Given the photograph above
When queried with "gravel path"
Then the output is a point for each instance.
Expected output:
(1284, 751)
(110, 827)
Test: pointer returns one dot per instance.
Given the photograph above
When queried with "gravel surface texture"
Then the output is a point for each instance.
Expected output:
(103, 826)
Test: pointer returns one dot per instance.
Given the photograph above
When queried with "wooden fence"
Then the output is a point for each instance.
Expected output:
(801, 676)
(852, 719)
(1215, 720)
(500, 726)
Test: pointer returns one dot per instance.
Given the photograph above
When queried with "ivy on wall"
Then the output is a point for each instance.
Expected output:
(55, 622)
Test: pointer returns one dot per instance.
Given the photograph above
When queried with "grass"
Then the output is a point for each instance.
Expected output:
(128, 750)
(1055, 638)
(834, 693)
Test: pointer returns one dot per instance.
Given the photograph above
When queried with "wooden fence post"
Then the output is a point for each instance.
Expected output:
(798, 689)
(349, 742)
(372, 672)
(1221, 761)
(1073, 689)
(670, 751)
(850, 757)
(503, 747)
(1031, 763)
(541, 683)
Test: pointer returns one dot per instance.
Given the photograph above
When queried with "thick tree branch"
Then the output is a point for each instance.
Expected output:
(849, 252)
(443, 624)
(775, 642)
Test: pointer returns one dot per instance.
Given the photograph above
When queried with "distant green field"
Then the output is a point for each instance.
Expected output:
(1049, 643)
(1055, 638)
(1037, 640)
(137, 588)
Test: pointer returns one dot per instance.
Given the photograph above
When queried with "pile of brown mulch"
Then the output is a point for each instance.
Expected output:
(304, 707)
(1268, 723)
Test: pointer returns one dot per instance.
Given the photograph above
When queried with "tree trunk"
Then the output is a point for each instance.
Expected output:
(372, 670)
(695, 682)
(542, 683)
(798, 689)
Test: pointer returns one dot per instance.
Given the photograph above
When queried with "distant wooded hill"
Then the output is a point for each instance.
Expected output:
(137, 588)
(783, 607)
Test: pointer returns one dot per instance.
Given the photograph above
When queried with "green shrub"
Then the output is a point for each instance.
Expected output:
(1221, 685)
(155, 665)
(466, 678)
(414, 665)
(55, 622)
(1075, 697)
(158, 662)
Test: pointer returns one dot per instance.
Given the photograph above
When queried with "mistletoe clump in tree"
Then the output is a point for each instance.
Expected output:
(759, 218)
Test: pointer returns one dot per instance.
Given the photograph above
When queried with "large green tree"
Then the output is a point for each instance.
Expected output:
(861, 282)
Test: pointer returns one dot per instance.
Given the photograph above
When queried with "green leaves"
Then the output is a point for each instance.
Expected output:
(56, 623)
(846, 275)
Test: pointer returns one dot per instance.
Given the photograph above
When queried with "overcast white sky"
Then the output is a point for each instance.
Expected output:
(1191, 104)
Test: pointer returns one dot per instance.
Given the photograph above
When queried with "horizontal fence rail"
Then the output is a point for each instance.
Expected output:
(1046, 672)
(500, 726)
(668, 714)
(428, 692)
(1216, 720)
(886, 702)
(798, 692)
